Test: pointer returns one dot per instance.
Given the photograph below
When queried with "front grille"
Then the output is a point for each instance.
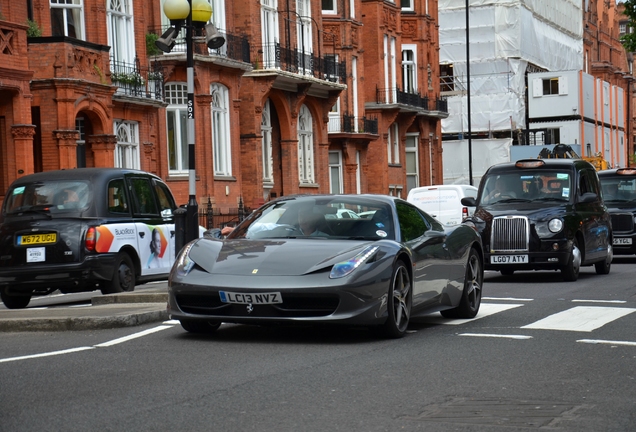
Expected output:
(509, 234)
(623, 222)
(293, 306)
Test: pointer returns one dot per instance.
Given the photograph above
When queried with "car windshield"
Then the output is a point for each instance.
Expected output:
(53, 196)
(618, 189)
(321, 218)
(527, 186)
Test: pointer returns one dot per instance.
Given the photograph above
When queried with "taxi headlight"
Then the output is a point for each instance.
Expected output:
(345, 268)
(555, 225)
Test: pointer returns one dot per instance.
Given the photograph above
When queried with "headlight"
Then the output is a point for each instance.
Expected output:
(555, 225)
(183, 263)
(344, 268)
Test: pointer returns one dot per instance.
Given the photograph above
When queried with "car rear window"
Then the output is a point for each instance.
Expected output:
(55, 196)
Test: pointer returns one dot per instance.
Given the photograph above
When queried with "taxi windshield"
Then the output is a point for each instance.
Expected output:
(53, 196)
(526, 186)
(618, 189)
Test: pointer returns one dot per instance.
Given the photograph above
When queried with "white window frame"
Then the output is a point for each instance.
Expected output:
(411, 152)
(409, 68)
(336, 172)
(407, 5)
(387, 89)
(393, 144)
(127, 147)
(305, 146)
(269, 31)
(266, 143)
(176, 95)
(76, 11)
(330, 8)
(393, 61)
(221, 132)
(121, 30)
(335, 120)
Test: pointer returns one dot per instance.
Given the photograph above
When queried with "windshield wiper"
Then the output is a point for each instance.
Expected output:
(509, 200)
(550, 199)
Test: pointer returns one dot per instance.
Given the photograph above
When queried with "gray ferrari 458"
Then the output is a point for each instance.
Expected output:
(304, 259)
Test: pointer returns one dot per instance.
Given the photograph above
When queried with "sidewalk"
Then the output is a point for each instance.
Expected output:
(105, 311)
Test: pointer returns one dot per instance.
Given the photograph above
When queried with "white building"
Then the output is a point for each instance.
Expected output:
(572, 107)
(508, 40)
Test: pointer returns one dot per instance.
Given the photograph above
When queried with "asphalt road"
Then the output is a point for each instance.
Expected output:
(543, 354)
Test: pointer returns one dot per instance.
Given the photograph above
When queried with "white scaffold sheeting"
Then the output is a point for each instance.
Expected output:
(505, 37)
(485, 152)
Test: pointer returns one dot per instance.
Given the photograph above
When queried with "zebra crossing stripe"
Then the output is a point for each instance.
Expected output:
(609, 342)
(580, 318)
(485, 310)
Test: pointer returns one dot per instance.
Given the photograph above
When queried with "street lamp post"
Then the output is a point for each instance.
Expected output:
(192, 14)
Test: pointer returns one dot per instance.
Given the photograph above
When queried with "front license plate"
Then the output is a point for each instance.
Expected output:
(36, 254)
(242, 298)
(509, 259)
(34, 239)
(622, 241)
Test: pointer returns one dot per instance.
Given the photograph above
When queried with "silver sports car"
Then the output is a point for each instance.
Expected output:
(302, 259)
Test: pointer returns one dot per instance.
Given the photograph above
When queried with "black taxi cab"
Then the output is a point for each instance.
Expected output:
(619, 194)
(84, 229)
(537, 214)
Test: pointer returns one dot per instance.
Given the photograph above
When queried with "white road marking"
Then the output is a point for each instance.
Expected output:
(496, 335)
(172, 322)
(508, 299)
(132, 336)
(599, 301)
(485, 310)
(600, 341)
(102, 345)
(580, 318)
(52, 353)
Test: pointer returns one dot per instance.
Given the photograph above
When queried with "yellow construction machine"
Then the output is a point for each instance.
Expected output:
(564, 151)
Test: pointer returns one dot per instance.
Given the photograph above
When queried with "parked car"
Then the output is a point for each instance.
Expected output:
(84, 229)
(619, 194)
(377, 272)
(443, 202)
(537, 214)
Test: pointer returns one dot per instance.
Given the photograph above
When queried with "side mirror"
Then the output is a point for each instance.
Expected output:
(469, 202)
(214, 233)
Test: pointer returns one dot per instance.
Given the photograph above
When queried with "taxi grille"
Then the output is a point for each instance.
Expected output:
(509, 234)
(623, 222)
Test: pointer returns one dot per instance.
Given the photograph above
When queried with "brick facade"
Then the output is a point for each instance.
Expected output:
(61, 97)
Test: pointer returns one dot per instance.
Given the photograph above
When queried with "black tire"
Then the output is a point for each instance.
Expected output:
(399, 304)
(15, 301)
(123, 276)
(603, 267)
(200, 327)
(570, 272)
(507, 272)
(473, 284)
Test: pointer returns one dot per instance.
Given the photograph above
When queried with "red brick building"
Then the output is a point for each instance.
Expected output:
(304, 96)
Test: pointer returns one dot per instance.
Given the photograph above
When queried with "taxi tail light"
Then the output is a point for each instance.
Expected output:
(464, 212)
(91, 239)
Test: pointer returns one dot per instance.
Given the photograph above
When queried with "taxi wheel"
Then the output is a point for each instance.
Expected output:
(570, 272)
(15, 301)
(123, 276)
(201, 327)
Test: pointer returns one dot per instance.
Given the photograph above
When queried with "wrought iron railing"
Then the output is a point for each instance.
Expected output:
(212, 217)
(396, 96)
(133, 80)
(351, 124)
(277, 56)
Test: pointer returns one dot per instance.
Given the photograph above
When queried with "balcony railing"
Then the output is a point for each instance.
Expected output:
(276, 56)
(351, 124)
(132, 80)
(396, 96)
(235, 48)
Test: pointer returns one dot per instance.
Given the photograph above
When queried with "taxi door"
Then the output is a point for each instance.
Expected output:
(152, 213)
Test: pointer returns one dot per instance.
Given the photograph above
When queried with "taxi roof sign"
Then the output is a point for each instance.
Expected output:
(626, 171)
(529, 163)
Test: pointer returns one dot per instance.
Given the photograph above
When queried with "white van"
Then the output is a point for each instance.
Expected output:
(443, 202)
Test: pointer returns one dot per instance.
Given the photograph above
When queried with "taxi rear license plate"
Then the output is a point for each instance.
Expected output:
(622, 241)
(244, 298)
(36, 239)
(509, 259)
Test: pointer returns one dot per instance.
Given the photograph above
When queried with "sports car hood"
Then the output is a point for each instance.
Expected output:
(272, 257)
